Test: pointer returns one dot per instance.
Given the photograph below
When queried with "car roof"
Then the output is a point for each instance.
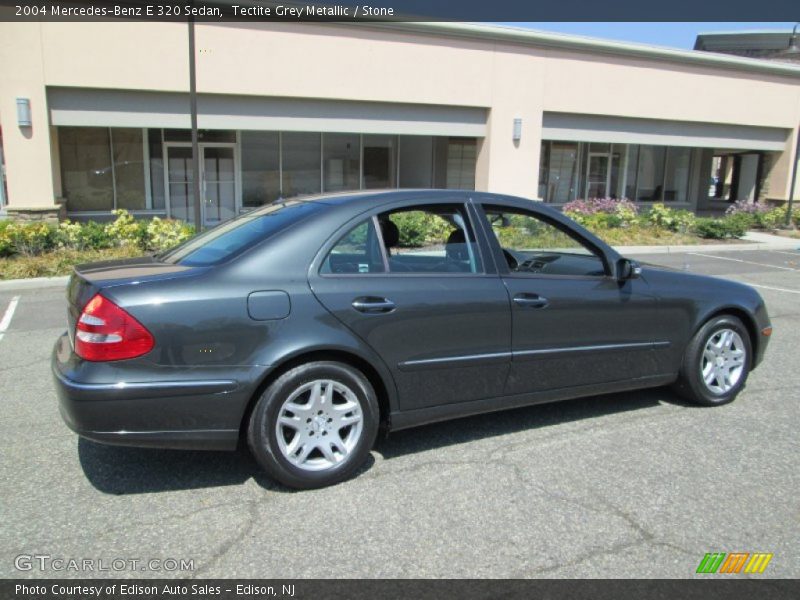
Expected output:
(369, 197)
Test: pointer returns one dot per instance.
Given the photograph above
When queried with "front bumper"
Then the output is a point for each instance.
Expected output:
(197, 414)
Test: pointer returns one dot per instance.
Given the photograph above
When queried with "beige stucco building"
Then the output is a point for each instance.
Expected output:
(288, 109)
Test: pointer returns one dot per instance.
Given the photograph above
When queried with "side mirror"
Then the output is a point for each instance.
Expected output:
(628, 269)
(499, 220)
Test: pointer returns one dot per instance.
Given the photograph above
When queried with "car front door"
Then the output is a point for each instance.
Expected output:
(415, 285)
(573, 324)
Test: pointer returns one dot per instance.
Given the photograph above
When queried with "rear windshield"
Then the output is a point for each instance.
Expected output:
(234, 237)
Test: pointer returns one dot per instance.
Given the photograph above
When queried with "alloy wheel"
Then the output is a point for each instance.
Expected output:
(319, 425)
(723, 360)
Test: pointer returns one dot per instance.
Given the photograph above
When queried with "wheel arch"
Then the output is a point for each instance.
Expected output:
(383, 389)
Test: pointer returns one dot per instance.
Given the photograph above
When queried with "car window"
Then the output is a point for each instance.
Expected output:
(234, 237)
(358, 251)
(533, 245)
(429, 239)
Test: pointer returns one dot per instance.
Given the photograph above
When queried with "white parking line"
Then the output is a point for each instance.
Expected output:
(774, 289)
(795, 254)
(739, 260)
(6, 321)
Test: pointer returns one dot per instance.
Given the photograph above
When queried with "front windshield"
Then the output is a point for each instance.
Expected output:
(234, 237)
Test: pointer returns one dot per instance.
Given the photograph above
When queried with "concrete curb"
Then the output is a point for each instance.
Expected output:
(795, 245)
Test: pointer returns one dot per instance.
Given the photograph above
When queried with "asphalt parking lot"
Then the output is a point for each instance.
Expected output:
(626, 485)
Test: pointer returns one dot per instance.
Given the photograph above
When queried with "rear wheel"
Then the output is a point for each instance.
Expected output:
(314, 425)
(716, 363)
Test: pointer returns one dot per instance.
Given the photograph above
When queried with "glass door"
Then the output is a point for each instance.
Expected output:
(178, 178)
(218, 186)
(218, 182)
(603, 171)
(597, 170)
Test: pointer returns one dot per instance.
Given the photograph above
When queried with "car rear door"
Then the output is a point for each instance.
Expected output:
(572, 323)
(435, 311)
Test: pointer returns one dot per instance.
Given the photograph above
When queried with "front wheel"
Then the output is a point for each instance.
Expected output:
(716, 363)
(314, 425)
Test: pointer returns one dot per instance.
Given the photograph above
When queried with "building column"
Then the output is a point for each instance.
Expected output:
(779, 178)
(505, 165)
(28, 154)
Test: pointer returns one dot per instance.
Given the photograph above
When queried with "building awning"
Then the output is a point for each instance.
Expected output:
(621, 130)
(122, 108)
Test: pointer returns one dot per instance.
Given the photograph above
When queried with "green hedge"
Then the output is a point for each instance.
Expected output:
(34, 239)
(662, 218)
(719, 229)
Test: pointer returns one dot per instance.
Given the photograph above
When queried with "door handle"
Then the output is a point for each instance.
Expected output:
(371, 304)
(530, 301)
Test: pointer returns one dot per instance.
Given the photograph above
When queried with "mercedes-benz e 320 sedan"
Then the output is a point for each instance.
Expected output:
(307, 325)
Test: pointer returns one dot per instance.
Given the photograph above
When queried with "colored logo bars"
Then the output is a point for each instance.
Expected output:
(735, 562)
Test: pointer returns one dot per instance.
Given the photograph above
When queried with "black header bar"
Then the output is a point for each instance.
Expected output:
(402, 10)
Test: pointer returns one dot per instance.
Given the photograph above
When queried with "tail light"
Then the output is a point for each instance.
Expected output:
(106, 332)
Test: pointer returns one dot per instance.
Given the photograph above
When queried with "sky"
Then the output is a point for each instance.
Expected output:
(675, 35)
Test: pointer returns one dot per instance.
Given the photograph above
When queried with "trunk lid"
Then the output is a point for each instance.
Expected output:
(91, 278)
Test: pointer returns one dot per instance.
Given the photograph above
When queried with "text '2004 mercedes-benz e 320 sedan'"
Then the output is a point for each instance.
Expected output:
(307, 325)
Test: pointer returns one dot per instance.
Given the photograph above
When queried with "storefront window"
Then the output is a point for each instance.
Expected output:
(643, 173)
(676, 180)
(341, 158)
(86, 176)
(151, 169)
(127, 149)
(261, 182)
(301, 164)
(560, 171)
(650, 176)
(380, 161)
(416, 158)
(630, 171)
(461, 158)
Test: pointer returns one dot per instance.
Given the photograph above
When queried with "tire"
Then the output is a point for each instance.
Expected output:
(716, 362)
(331, 408)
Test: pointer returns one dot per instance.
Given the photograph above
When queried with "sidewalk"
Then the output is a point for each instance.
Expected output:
(753, 240)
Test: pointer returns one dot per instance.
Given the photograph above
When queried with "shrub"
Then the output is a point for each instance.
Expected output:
(670, 219)
(95, 236)
(746, 207)
(6, 247)
(774, 218)
(33, 239)
(28, 239)
(719, 229)
(126, 230)
(602, 212)
(162, 234)
(761, 215)
(418, 228)
(83, 236)
(597, 221)
(737, 224)
(709, 228)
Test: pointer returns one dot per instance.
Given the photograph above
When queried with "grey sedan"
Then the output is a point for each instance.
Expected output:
(305, 327)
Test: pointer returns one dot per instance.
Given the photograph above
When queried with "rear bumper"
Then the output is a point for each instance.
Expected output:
(194, 414)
